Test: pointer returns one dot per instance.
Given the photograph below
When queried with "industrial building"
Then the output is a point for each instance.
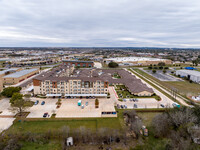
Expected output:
(78, 63)
(143, 61)
(19, 76)
(190, 74)
(6, 72)
(86, 82)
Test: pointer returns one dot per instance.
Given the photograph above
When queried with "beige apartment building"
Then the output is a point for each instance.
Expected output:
(71, 87)
(64, 81)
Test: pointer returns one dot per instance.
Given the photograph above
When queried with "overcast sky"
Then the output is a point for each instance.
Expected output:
(124, 23)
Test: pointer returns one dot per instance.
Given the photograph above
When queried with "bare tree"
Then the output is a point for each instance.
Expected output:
(161, 125)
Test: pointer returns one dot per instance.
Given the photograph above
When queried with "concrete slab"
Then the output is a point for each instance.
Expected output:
(5, 108)
(5, 123)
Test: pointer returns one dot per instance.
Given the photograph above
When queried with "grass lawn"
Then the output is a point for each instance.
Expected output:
(52, 145)
(185, 88)
(147, 117)
(41, 126)
(43, 68)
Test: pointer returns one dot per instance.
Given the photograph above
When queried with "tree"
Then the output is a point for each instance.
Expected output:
(196, 62)
(9, 91)
(164, 71)
(96, 103)
(154, 71)
(15, 97)
(27, 97)
(18, 103)
(161, 64)
(113, 65)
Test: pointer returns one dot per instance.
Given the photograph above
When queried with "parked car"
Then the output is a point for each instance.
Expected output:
(45, 115)
(124, 100)
(86, 104)
(122, 106)
(131, 100)
(135, 105)
(118, 106)
(36, 102)
(176, 105)
(43, 102)
(136, 100)
(82, 107)
(162, 105)
(125, 106)
(79, 102)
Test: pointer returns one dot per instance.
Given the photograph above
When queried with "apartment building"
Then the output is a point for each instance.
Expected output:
(86, 82)
(58, 83)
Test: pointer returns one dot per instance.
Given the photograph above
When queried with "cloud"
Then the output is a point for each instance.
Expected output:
(161, 23)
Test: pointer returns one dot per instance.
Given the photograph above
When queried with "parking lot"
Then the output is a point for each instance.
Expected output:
(140, 103)
(37, 111)
(70, 108)
(162, 76)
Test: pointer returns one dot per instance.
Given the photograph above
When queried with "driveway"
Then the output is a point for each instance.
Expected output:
(37, 111)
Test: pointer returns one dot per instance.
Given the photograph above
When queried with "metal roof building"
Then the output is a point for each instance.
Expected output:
(8, 70)
(19, 76)
(20, 73)
(190, 74)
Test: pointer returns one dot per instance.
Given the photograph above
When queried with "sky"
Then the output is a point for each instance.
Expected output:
(100, 23)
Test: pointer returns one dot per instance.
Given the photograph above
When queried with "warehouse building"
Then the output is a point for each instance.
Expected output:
(143, 61)
(17, 77)
(190, 74)
(6, 72)
(78, 63)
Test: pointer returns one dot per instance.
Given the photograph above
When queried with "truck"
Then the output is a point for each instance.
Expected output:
(79, 103)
